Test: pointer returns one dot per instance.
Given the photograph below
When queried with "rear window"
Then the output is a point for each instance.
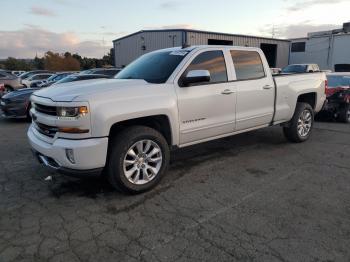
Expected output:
(338, 81)
(248, 65)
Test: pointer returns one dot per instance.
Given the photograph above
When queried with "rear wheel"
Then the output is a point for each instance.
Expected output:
(300, 127)
(138, 159)
(344, 114)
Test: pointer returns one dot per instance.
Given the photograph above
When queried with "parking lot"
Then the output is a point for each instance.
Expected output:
(252, 197)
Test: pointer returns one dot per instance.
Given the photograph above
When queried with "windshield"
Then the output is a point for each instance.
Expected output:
(153, 67)
(338, 81)
(295, 69)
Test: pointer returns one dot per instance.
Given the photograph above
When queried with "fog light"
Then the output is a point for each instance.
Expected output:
(70, 155)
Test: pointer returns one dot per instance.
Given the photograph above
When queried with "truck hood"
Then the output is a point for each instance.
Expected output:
(82, 90)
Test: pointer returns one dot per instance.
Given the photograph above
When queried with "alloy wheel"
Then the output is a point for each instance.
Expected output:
(142, 162)
(305, 123)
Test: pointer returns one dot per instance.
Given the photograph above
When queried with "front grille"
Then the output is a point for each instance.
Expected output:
(48, 110)
(49, 131)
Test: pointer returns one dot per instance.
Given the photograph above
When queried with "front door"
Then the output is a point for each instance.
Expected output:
(207, 110)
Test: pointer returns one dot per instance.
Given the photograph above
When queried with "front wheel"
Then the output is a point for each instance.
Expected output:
(300, 127)
(138, 159)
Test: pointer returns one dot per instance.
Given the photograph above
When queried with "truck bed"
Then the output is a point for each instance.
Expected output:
(290, 86)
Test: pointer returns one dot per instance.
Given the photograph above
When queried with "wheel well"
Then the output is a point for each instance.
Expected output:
(159, 122)
(309, 98)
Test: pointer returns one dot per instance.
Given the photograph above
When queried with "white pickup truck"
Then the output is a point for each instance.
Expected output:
(169, 98)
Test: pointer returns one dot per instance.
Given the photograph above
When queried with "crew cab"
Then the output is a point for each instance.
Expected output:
(173, 98)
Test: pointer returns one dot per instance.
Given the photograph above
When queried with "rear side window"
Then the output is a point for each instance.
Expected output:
(214, 62)
(248, 65)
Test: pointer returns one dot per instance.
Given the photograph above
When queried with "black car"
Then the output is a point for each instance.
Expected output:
(17, 103)
(101, 71)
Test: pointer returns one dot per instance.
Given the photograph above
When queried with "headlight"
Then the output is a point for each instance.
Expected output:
(68, 112)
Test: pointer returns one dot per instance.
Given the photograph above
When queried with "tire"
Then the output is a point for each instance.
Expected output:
(300, 127)
(344, 114)
(135, 172)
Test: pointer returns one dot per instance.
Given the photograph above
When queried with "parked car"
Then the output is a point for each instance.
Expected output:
(10, 81)
(275, 71)
(166, 99)
(34, 80)
(6, 71)
(338, 97)
(17, 104)
(300, 68)
(51, 80)
(18, 73)
(77, 77)
(101, 71)
(30, 73)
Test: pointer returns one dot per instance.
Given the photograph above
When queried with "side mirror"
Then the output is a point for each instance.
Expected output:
(195, 77)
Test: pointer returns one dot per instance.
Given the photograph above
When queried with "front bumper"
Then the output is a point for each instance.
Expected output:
(89, 154)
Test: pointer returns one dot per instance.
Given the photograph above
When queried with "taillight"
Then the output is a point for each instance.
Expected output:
(325, 86)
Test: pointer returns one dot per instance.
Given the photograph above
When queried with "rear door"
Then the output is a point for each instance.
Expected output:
(255, 89)
(206, 110)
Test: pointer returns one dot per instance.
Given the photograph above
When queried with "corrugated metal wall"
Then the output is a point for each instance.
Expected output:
(128, 49)
(325, 51)
(201, 38)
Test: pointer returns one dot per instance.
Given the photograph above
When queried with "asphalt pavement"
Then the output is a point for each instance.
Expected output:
(251, 197)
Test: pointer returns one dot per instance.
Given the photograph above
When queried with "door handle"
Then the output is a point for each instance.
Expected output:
(267, 87)
(227, 92)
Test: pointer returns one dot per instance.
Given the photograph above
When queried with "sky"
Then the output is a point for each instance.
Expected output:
(32, 27)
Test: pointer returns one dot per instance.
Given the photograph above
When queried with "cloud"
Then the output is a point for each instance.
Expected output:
(169, 5)
(297, 30)
(41, 11)
(298, 6)
(32, 40)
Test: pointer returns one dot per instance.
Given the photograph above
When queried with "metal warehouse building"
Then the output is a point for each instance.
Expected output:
(128, 48)
(329, 49)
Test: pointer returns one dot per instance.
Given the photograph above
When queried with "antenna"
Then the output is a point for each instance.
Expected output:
(273, 31)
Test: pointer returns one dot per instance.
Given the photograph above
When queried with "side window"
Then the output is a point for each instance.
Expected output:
(248, 65)
(214, 62)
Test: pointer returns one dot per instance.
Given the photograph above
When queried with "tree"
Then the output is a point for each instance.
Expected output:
(12, 63)
(57, 62)
(38, 63)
